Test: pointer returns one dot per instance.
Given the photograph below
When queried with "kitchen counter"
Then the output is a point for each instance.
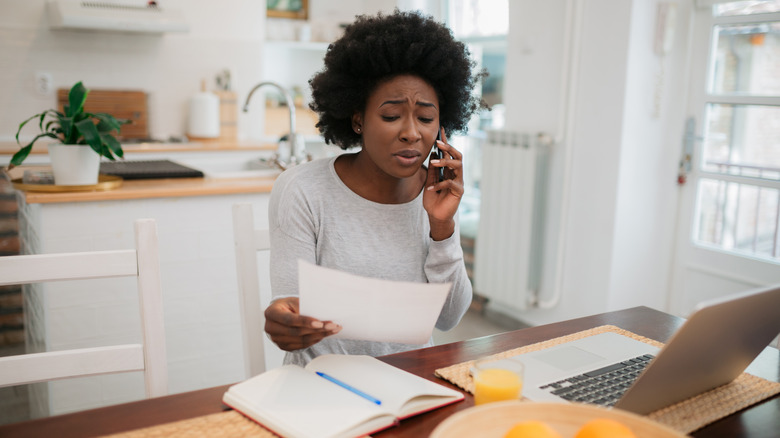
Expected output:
(197, 267)
(9, 147)
(151, 188)
(219, 181)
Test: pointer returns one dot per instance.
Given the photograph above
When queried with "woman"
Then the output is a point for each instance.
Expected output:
(390, 85)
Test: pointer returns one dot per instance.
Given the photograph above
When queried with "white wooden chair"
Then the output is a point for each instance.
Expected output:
(258, 354)
(141, 262)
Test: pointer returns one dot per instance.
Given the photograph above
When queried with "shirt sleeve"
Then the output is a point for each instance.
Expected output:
(445, 264)
(293, 236)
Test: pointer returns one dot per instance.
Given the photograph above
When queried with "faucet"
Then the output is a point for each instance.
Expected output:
(284, 159)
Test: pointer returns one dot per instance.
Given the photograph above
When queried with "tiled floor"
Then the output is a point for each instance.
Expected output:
(14, 404)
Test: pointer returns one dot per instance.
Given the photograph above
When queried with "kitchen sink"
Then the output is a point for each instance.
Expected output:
(227, 169)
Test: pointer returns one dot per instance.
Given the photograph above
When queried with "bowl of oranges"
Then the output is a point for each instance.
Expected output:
(515, 419)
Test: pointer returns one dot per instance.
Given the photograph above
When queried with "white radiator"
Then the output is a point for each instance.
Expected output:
(509, 243)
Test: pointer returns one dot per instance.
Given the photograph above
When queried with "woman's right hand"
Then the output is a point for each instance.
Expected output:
(292, 331)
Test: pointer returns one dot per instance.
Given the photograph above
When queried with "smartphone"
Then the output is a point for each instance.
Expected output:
(437, 154)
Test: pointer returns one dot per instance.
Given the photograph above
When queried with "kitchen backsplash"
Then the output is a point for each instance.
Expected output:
(226, 35)
(168, 67)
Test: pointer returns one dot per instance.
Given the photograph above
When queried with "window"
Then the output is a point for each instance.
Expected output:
(482, 25)
(738, 199)
(469, 18)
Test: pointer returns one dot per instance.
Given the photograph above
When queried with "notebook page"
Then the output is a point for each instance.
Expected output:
(392, 386)
(294, 402)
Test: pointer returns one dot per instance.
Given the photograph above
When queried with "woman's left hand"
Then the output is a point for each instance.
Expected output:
(441, 199)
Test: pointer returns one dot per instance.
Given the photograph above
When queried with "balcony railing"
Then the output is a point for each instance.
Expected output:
(739, 209)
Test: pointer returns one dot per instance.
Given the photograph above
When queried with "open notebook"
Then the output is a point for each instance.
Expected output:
(355, 396)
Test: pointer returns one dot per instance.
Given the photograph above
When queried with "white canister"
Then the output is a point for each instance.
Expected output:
(204, 115)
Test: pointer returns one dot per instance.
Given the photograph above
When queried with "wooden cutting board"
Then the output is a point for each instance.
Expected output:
(130, 105)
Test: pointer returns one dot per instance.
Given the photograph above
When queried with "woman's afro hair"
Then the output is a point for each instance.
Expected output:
(377, 48)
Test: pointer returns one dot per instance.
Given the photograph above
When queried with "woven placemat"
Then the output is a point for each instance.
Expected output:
(685, 416)
(226, 424)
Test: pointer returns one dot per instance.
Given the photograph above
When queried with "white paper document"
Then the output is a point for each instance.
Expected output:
(369, 308)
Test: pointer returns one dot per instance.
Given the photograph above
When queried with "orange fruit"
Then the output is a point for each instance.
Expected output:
(531, 429)
(604, 428)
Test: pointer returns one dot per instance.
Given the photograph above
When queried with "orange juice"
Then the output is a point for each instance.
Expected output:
(495, 384)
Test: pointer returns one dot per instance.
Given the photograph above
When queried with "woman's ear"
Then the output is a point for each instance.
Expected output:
(357, 123)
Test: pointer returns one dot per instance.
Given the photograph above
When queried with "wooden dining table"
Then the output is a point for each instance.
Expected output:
(760, 420)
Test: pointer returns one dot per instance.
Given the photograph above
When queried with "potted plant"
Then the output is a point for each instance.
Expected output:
(83, 138)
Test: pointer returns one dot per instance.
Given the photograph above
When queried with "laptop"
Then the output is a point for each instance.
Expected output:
(713, 347)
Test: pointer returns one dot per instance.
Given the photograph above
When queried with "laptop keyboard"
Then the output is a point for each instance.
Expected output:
(603, 386)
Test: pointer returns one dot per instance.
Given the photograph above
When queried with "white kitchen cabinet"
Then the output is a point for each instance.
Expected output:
(200, 293)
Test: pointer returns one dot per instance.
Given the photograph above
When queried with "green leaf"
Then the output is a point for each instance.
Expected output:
(20, 156)
(54, 120)
(21, 125)
(76, 98)
(49, 125)
(22, 153)
(40, 122)
(69, 132)
(110, 121)
(113, 144)
(106, 152)
(81, 116)
(91, 136)
(103, 127)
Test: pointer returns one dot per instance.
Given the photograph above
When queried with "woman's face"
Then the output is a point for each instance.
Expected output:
(399, 125)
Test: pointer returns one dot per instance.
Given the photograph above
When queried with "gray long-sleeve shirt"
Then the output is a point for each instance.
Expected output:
(314, 216)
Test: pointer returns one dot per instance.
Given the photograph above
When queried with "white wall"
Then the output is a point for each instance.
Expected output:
(168, 67)
(613, 205)
(647, 183)
(616, 227)
(228, 34)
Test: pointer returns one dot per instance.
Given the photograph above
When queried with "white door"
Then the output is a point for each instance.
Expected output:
(727, 234)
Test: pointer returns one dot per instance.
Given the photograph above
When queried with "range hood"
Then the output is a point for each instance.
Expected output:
(115, 15)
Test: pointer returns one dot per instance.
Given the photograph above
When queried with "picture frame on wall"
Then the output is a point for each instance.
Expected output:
(295, 9)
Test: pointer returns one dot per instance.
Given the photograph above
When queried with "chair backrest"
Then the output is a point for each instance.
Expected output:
(248, 241)
(149, 357)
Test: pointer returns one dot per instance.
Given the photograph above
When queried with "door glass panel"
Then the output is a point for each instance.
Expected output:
(738, 217)
(742, 140)
(747, 59)
(483, 26)
(738, 192)
(469, 18)
(746, 8)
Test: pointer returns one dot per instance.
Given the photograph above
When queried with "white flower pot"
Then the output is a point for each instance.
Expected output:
(74, 165)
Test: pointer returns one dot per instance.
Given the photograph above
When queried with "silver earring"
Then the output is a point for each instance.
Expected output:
(358, 129)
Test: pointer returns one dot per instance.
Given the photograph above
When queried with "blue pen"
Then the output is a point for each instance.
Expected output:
(351, 388)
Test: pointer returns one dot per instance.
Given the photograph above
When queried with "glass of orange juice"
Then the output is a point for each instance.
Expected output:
(497, 380)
